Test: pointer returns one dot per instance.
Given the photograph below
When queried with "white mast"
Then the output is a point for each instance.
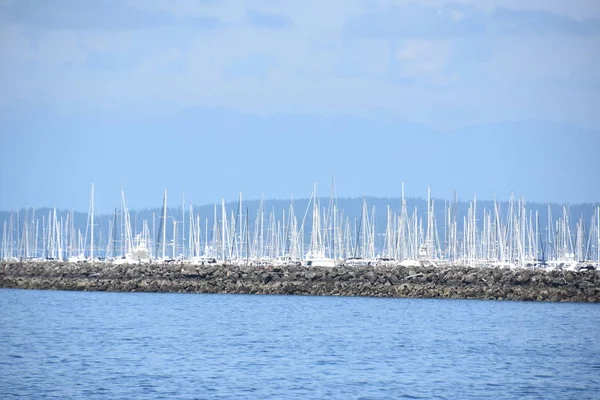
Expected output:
(174, 236)
(35, 249)
(429, 225)
(92, 225)
(262, 228)
(164, 226)
(4, 242)
(192, 234)
(315, 247)
(183, 225)
(153, 234)
(223, 231)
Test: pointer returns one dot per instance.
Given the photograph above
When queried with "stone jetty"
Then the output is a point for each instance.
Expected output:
(408, 282)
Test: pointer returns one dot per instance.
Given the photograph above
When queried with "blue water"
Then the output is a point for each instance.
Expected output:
(186, 346)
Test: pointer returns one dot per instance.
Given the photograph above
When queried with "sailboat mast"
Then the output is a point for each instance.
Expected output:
(223, 225)
(4, 241)
(114, 234)
(598, 237)
(164, 227)
(183, 225)
(92, 225)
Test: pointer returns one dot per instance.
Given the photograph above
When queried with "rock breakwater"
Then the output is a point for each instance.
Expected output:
(413, 282)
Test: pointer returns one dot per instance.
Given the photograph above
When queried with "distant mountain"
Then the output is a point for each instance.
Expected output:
(212, 153)
(349, 208)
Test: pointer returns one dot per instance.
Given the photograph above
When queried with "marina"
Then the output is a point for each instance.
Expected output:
(322, 235)
(287, 200)
(452, 282)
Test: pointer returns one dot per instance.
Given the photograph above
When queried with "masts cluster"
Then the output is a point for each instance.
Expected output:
(319, 236)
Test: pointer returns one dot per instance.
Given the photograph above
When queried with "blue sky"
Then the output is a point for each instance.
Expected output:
(216, 97)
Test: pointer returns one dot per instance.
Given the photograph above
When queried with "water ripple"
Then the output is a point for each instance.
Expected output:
(58, 345)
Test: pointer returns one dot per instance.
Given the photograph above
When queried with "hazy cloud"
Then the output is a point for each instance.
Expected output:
(423, 61)
(418, 22)
(98, 14)
(458, 20)
(268, 20)
(534, 22)
(447, 65)
(253, 66)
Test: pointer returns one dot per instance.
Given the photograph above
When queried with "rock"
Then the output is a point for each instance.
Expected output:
(380, 281)
(470, 278)
(189, 271)
(267, 278)
(523, 277)
(569, 277)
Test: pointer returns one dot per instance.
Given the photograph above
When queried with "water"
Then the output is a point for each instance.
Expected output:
(186, 346)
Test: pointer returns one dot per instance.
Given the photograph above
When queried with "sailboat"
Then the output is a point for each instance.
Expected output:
(81, 256)
(315, 257)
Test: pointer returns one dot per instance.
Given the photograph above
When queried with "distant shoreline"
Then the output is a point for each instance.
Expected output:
(399, 282)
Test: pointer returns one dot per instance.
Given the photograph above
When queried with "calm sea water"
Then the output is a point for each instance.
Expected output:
(188, 346)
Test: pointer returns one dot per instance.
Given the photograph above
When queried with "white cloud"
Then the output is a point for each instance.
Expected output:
(425, 59)
(227, 11)
(579, 9)
(317, 69)
(549, 60)
(101, 41)
(15, 47)
(58, 48)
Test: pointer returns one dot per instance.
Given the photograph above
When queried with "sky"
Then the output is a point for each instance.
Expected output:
(210, 98)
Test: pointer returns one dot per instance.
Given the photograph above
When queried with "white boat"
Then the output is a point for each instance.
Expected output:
(138, 253)
(318, 260)
(361, 262)
(206, 260)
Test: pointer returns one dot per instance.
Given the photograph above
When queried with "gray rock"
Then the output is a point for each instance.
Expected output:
(454, 282)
